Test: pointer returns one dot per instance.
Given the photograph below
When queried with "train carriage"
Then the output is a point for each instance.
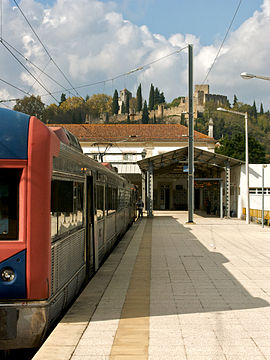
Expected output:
(60, 215)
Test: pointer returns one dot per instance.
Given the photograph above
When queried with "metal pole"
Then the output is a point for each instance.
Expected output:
(262, 195)
(221, 199)
(247, 170)
(190, 136)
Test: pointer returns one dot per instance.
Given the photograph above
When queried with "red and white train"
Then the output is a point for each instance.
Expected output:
(60, 215)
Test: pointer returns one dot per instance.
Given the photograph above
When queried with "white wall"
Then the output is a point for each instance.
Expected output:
(255, 186)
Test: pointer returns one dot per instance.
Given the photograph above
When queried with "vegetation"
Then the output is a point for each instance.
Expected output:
(151, 101)
(234, 147)
(228, 128)
(139, 98)
(145, 114)
(115, 105)
(30, 105)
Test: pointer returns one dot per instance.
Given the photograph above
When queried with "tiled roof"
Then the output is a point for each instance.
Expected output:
(132, 132)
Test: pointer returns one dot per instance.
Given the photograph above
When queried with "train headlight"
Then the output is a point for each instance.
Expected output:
(7, 274)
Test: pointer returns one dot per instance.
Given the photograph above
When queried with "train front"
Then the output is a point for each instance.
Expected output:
(26, 151)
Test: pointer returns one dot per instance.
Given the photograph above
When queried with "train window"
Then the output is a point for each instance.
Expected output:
(121, 198)
(9, 203)
(110, 200)
(100, 201)
(66, 206)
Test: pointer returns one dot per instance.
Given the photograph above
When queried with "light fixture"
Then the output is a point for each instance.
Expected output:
(7, 275)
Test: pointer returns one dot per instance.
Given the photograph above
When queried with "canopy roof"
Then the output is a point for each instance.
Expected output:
(174, 161)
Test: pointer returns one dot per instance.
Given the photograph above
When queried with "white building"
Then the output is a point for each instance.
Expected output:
(259, 178)
(222, 179)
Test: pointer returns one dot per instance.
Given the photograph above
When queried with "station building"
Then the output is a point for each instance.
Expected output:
(154, 157)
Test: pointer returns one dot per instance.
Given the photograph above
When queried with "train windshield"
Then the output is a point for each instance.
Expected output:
(9, 203)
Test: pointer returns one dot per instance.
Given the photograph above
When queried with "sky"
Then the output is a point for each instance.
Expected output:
(98, 44)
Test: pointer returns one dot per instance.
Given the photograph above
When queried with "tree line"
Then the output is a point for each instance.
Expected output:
(228, 128)
(74, 110)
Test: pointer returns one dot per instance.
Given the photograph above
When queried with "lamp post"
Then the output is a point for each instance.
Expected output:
(248, 76)
(247, 166)
(190, 137)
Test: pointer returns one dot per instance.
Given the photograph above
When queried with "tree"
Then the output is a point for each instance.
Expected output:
(151, 98)
(254, 110)
(73, 110)
(115, 105)
(63, 98)
(99, 104)
(235, 147)
(127, 105)
(30, 105)
(51, 115)
(162, 98)
(139, 98)
(145, 114)
(175, 102)
(156, 96)
(261, 109)
(235, 102)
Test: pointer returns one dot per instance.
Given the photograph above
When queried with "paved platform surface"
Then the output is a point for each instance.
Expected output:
(172, 290)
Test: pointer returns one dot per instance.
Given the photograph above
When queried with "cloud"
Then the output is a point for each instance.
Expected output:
(91, 41)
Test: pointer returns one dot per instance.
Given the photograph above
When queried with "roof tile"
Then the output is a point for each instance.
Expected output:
(132, 132)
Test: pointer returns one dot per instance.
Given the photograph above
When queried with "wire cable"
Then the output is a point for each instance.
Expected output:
(225, 37)
(30, 73)
(140, 68)
(37, 67)
(15, 87)
(45, 49)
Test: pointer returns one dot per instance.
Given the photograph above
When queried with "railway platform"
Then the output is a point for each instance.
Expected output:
(172, 290)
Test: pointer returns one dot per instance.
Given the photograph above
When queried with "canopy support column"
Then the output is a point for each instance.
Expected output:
(150, 185)
(144, 189)
(221, 198)
(227, 189)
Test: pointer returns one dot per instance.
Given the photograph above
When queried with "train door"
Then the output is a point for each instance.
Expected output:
(90, 241)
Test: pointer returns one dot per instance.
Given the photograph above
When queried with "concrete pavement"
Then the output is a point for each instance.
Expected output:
(172, 290)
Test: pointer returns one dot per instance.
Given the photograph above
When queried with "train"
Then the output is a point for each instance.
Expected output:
(61, 213)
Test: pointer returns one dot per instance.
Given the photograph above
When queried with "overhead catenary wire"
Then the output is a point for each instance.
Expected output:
(15, 87)
(30, 72)
(139, 68)
(34, 65)
(221, 46)
(45, 49)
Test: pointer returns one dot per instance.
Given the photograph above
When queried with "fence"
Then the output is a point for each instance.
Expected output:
(256, 215)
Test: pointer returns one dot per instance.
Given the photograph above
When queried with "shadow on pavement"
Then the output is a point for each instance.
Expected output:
(186, 278)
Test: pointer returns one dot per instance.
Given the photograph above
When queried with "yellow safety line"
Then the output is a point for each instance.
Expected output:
(132, 336)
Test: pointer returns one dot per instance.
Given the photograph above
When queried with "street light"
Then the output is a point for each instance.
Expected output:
(190, 137)
(248, 76)
(247, 167)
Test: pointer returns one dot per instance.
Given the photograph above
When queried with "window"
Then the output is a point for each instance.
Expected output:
(111, 200)
(9, 203)
(66, 206)
(100, 201)
(128, 157)
(258, 191)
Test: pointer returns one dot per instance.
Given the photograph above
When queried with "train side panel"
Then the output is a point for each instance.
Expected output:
(42, 145)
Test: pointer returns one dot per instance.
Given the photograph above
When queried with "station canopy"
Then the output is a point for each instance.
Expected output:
(175, 162)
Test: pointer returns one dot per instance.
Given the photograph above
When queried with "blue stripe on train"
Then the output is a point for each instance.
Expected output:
(13, 134)
(15, 289)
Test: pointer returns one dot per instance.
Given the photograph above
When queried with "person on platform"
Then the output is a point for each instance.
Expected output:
(140, 206)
